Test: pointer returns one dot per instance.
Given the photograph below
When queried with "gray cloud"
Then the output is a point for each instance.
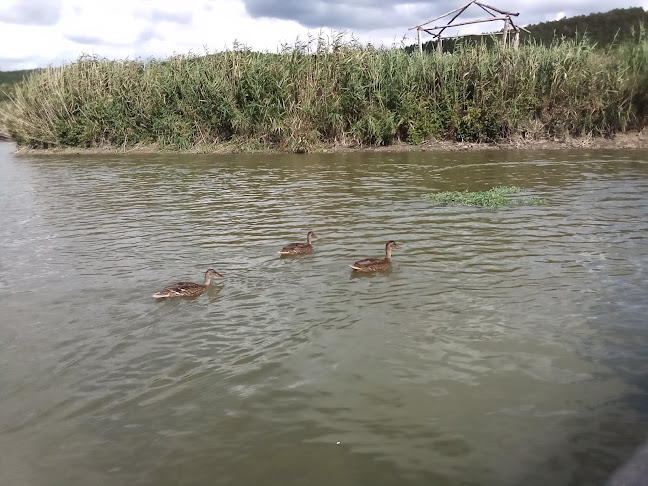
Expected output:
(338, 14)
(15, 60)
(363, 15)
(27, 62)
(148, 34)
(86, 39)
(145, 35)
(32, 12)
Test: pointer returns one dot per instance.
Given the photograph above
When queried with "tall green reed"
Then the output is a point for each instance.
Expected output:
(330, 89)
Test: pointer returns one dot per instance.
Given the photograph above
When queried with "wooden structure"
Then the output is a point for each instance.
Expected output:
(495, 15)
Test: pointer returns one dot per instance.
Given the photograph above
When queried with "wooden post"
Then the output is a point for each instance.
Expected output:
(437, 30)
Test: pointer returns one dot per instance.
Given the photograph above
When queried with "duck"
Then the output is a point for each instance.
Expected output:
(299, 248)
(187, 289)
(376, 264)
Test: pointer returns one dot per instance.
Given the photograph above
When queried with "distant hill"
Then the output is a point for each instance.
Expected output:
(603, 29)
(11, 77)
(8, 79)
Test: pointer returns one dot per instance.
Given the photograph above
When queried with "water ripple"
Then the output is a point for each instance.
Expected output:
(518, 320)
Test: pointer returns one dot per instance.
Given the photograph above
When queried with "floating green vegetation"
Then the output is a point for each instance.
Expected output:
(495, 197)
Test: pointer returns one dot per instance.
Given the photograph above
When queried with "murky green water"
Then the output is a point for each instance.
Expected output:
(506, 347)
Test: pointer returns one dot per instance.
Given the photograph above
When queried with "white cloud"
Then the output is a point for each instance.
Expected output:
(21, 42)
(139, 29)
(36, 33)
(94, 24)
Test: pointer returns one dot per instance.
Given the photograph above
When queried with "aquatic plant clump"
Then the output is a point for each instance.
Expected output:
(332, 90)
(494, 197)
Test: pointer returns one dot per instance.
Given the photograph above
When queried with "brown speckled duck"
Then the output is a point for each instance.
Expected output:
(298, 248)
(187, 289)
(376, 264)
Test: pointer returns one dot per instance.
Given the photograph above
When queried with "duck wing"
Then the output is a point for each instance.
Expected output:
(367, 262)
(178, 289)
(293, 247)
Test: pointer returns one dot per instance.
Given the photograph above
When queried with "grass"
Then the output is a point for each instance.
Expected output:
(332, 90)
(492, 198)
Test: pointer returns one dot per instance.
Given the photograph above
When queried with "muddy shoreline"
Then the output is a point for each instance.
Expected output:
(626, 140)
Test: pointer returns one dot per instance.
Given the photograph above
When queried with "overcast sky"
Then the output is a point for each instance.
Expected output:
(38, 33)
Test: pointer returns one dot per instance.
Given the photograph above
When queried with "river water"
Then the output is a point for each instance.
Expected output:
(506, 346)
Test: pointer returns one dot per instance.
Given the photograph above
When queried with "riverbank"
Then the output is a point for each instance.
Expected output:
(335, 96)
(627, 140)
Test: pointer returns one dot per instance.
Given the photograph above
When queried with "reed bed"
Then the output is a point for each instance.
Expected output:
(332, 90)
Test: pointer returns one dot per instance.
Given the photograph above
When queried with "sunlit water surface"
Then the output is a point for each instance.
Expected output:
(506, 347)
